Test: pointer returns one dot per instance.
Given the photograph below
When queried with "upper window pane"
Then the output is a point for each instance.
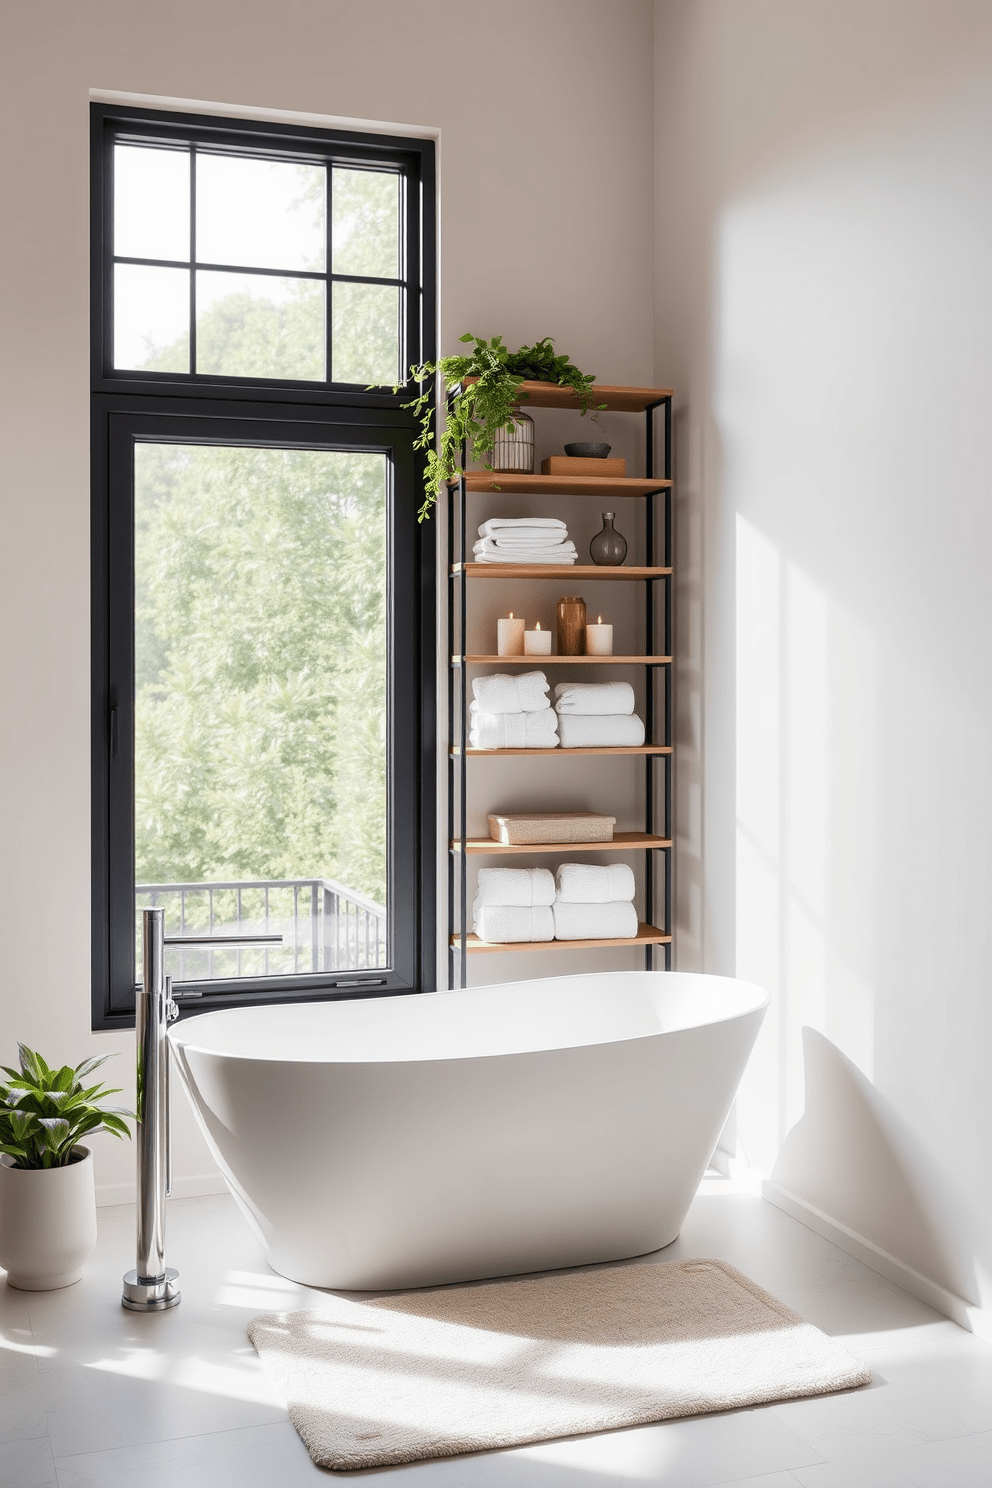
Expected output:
(366, 223)
(151, 203)
(260, 325)
(151, 318)
(365, 334)
(262, 214)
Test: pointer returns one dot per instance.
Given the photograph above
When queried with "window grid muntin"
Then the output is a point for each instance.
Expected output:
(192, 265)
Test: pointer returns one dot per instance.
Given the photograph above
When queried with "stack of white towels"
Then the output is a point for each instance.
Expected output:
(593, 903)
(514, 904)
(524, 540)
(597, 715)
(580, 902)
(512, 712)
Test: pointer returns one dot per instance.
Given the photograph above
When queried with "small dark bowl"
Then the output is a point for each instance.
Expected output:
(588, 451)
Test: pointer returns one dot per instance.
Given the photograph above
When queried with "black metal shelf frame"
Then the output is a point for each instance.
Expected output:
(458, 703)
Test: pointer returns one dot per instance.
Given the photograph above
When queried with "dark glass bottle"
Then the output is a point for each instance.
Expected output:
(609, 547)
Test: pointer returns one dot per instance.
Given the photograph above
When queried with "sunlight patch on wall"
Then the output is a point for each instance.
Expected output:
(801, 827)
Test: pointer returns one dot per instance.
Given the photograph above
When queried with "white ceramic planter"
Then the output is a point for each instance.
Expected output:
(47, 1223)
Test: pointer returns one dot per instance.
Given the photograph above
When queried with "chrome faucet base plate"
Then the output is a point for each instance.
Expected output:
(151, 1295)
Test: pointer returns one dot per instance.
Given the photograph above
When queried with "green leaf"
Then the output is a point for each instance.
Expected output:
(114, 1126)
(32, 1064)
(89, 1065)
(56, 1131)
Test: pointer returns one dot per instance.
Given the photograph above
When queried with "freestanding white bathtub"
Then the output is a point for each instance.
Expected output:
(414, 1140)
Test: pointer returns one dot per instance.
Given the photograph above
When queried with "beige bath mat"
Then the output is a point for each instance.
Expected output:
(412, 1375)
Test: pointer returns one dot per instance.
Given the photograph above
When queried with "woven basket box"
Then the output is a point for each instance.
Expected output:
(582, 465)
(522, 828)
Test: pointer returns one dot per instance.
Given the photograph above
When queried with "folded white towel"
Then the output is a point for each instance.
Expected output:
(504, 525)
(529, 537)
(500, 692)
(594, 697)
(617, 921)
(524, 887)
(514, 730)
(590, 883)
(600, 731)
(486, 548)
(502, 923)
(486, 551)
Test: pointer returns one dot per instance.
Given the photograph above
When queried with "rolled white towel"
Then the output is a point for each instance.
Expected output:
(504, 525)
(514, 730)
(523, 887)
(502, 923)
(594, 697)
(600, 731)
(616, 921)
(486, 551)
(591, 883)
(501, 692)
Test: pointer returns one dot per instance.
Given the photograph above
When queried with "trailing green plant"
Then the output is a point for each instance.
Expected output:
(478, 409)
(45, 1113)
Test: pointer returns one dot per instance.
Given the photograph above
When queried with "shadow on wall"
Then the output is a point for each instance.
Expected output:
(871, 1173)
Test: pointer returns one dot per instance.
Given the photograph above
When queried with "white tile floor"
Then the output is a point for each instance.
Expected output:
(95, 1397)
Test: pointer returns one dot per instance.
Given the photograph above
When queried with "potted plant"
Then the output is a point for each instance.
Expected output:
(47, 1198)
(482, 388)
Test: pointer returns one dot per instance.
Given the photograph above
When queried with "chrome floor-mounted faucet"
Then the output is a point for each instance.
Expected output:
(153, 1286)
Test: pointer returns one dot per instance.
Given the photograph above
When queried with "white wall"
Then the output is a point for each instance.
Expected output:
(823, 295)
(544, 114)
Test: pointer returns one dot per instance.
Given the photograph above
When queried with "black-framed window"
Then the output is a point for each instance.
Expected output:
(263, 632)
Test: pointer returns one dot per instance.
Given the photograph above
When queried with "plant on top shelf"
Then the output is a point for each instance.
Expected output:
(46, 1113)
(480, 408)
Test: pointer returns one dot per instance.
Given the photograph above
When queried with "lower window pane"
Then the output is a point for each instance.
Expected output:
(260, 704)
(260, 325)
(365, 334)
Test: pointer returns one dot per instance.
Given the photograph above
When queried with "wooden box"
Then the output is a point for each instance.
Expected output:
(520, 828)
(609, 469)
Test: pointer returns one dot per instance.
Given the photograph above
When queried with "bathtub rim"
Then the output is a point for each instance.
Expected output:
(183, 1043)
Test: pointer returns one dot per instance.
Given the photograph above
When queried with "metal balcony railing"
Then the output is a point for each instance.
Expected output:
(325, 926)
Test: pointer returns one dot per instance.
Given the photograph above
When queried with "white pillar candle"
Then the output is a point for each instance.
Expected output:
(510, 637)
(537, 642)
(599, 639)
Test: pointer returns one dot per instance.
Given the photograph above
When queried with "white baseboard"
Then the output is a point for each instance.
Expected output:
(195, 1187)
(977, 1320)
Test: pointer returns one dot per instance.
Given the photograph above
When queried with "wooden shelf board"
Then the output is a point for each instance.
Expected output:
(646, 935)
(560, 571)
(617, 399)
(622, 842)
(640, 749)
(509, 483)
(536, 662)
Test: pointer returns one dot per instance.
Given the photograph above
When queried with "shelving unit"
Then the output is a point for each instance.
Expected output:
(657, 665)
